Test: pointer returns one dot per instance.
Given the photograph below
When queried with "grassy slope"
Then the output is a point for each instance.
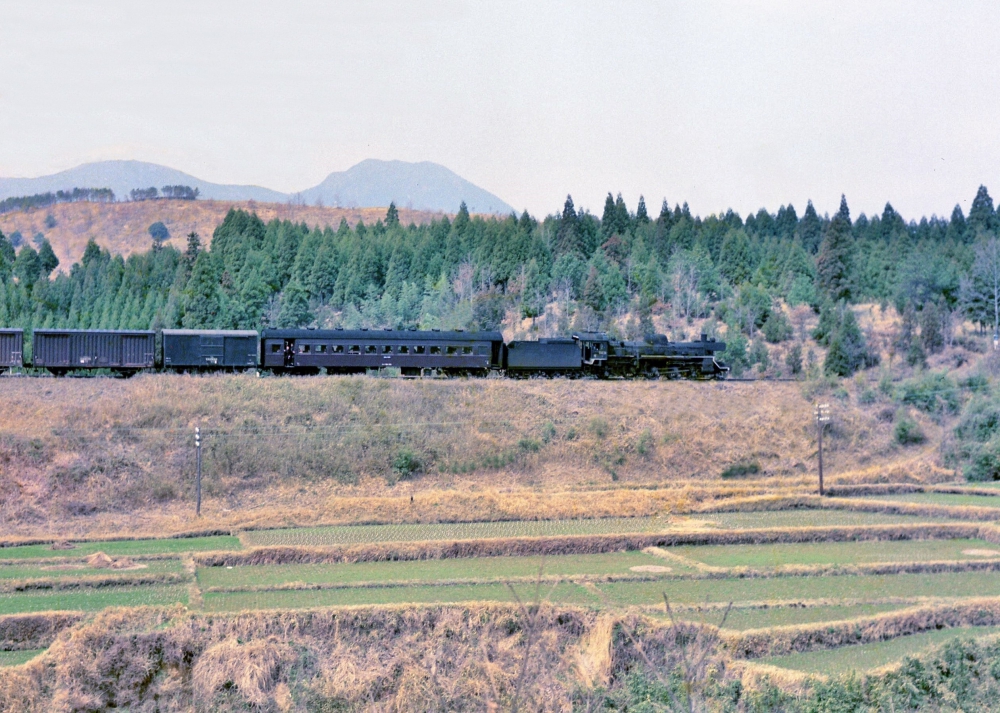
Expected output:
(124, 227)
(303, 451)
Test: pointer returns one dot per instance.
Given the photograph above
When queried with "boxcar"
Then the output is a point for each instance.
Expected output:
(63, 350)
(351, 351)
(546, 356)
(193, 349)
(11, 348)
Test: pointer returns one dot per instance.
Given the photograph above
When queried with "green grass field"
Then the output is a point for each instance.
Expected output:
(42, 571)
(752, 618)
(429, 570)
(807, 518)
(126, 548)
(843, 553)
(360, 534)
(16, 658)
(860, 587)
(981, 501)
(92, 599)
(564, 593)
(863, 657)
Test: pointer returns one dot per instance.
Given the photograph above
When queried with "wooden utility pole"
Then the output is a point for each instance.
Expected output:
(822, 418)
(197, 482)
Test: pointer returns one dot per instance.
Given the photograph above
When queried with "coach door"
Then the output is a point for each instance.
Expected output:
(134, 350)
(213, 349)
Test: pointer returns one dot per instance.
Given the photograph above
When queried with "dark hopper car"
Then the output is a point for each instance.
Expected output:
(64, 350)
(201, 350)
(357, 350)
(11, 348)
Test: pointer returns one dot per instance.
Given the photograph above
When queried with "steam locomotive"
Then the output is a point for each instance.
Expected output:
(342, 351)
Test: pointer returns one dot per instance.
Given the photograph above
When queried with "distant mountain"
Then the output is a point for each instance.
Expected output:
(421, 186)
(123, 176)
(371, 183)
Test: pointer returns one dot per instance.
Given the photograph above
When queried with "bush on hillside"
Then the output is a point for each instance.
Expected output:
(935, 393)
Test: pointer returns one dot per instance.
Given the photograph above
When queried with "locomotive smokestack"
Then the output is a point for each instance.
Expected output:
(704, 337)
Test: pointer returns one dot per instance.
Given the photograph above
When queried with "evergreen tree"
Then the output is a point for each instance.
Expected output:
(608, 216)
(833, 262)
(193, 248)
(982, 217)
(567, 236)
(7, 252)
(392, 216)
(91, 253)
(931, 336)
(848, 351)
(159, 233)
(461, 219)
(27, 266)
(201, 307)
(623, 221)
(48, 258)
(294, 306)
(810, 229)
(641, 216)
(957, 226)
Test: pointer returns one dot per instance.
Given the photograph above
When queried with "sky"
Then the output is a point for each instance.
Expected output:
(736, 105)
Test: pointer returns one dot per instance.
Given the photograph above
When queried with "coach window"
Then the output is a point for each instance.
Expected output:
(451, 351)
(419, 349)
(403, 349)
(275, 347)
(435, 350)
(466, 350)
(387, 349)
(321, 349)
(338, 348)
(355, 349)
(305, 349)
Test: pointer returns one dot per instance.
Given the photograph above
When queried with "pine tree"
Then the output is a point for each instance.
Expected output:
(193, 248)
(608, 216)
(931, 336)
(392, 216)
(48, 258)
(27, 266)
(641, 216)
(202, 309)
(294, 306)
(461, 219)
(982, 217)
(957, 226)
(567, 236)
(810, 229)
(623, 221)
(7, 252)
(833, 262)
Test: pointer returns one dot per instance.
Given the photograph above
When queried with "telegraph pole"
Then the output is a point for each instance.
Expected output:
(822, 418)
(197, 486)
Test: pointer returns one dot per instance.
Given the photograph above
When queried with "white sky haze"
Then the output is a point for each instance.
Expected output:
(721, 104)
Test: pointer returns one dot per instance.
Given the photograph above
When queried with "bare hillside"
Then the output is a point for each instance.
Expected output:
(124, 227)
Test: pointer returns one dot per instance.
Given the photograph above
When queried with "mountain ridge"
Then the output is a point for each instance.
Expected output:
(371, 183)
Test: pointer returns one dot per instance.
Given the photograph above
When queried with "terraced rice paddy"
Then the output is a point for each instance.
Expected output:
(690, 576)
(362, 534)
(955, 499)
(92, 598)
(125, 548)
(864, 657)
(16, 658)
(840, 553)
(620, 563)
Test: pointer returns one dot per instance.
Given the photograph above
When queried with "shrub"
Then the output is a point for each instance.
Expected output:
(908, 432)
(406, 463)
(933, 393)
(548, 431)
(645, 444)
(793, 359)
(740, 469)
(529, 445)
(598, 427)
(777, 328)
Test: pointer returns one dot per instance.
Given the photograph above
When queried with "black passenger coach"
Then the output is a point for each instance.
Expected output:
(347, 351)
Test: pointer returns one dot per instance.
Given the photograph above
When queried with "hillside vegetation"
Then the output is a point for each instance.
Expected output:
(123, 228)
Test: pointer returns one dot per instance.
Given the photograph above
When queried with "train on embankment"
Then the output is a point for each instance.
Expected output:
(349, 351)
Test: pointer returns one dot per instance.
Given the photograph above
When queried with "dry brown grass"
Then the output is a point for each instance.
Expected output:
(123, 228)
(34, 631)
(322, 450)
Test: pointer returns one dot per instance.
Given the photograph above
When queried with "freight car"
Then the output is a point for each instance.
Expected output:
(209, 350)
(341, 351)
(64, 350)
(11, 348)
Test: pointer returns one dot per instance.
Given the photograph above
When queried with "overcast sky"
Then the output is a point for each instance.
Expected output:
(721, 104)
